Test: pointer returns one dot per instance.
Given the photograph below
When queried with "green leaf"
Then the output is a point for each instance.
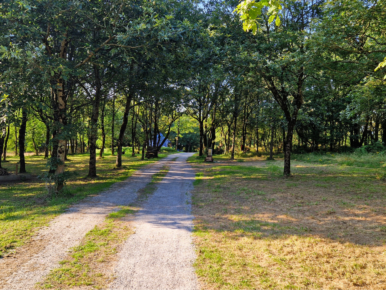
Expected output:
(277, 21)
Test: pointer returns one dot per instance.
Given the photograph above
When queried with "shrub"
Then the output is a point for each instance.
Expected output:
(372, 148)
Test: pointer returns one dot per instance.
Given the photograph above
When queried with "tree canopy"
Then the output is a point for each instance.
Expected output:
(85, 76)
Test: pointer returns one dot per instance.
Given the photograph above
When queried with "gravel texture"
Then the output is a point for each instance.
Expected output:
(67, 230)
(160, 254)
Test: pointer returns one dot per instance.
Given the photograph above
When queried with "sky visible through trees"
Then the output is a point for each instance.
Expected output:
(277, 76)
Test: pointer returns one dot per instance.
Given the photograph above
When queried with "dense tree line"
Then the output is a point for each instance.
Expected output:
(79, 76)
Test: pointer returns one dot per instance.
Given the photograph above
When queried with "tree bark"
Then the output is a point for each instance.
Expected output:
(384, 132)
(143, 150)
(112, 127)
(103, 132)
(244, 130)
(118, 162)
(72, 143)
(92, 172)
(3, 135)
(76, 143)
(178, 134)
(6, 144)
(46, 147)
(288, 149)
(16, 142)
(271, 145)
(59, 102)
(201, 139)
(133, 131)
(213, 129)
(257, 137)
(234, 139)
(376, 130)
(22, 131)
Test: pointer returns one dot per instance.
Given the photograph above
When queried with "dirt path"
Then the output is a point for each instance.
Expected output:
(160, 254)
(36, 259)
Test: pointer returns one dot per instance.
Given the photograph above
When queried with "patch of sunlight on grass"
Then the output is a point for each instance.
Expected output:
(323, 228)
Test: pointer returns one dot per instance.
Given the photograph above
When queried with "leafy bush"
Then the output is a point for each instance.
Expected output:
(372, 148)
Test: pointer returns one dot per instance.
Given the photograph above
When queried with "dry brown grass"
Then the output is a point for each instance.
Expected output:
(324, 228)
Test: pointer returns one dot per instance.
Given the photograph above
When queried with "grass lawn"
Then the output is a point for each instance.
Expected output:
(323, 228)
(24, 207)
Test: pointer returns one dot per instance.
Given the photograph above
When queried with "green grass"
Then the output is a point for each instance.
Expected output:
(152, 186)
(367, 160)
(24, 207)
(124, 210)
(88, 262)
(196, 159)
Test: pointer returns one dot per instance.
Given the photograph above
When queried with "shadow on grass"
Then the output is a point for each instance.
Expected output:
(333, 204)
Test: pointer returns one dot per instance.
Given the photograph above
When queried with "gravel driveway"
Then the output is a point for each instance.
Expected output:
(160, 254)
(67, 230)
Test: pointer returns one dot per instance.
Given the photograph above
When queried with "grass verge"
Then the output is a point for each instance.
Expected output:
(24, 207)
(368, 160)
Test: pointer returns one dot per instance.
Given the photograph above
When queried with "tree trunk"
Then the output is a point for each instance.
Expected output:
(46, 147)
(234, 140)
(365, 132)
(22, 131)
(376, 130)
(271, 145)
(288, 148)
(384, 132)
(58, 155)
(133, 131)
(72, 143)
(143, 150)
(92, 172)
(76, 143)
(201, 138)
(244, 130)
(3, 135)
(165, 137)
(16, 143)
(112, 128)
(229, 137)
(118, 162)
(178, 134)
(103, 131)
(283, 141)
(6, 144)
(156, 136)
(257, 138)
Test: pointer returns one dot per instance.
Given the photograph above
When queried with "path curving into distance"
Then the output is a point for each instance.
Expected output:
(160, 254)
(67, 230)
